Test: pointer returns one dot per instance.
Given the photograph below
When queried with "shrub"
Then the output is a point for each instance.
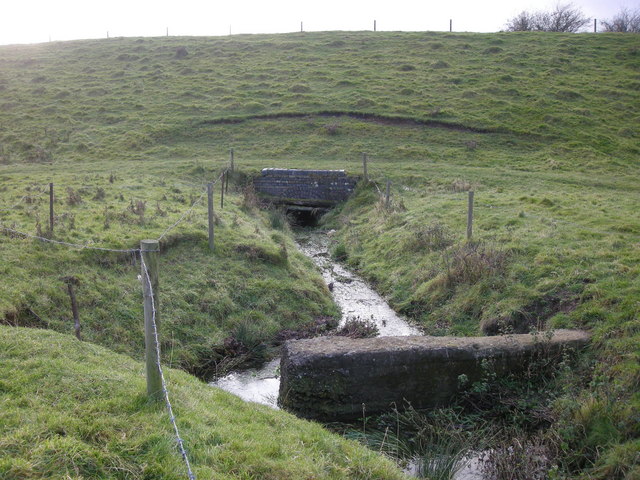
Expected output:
(563, 18)
(625, 21)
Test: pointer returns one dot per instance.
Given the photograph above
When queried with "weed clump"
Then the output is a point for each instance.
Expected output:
(432, 238)
(471, 262)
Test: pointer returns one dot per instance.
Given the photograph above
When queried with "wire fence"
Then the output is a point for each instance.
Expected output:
(165, 392)
(148, 287)
(546, 220)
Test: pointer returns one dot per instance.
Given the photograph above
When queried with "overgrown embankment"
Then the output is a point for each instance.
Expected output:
(73, 409)
(215, 307)
(530, 265)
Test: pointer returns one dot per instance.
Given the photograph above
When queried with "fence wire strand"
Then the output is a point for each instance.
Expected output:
(165, 392)
(74, 245)
(187, 212)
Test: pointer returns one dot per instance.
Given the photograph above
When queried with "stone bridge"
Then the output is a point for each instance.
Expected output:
(331, 378)
(304, 189)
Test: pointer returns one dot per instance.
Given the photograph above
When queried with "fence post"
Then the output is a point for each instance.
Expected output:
(388, 195)
(210, 205)
(231, 158)
(470, 216)
(301, 30)
(222, 190)
(364, 167)
(595, 25)
(450, 25)
(374, 25)
(226, 182)
(149, 250)
(72, 282)
(51, 208)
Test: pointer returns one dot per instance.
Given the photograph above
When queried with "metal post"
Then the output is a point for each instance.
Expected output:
(210, 204)
(470, 216)
(149, 250)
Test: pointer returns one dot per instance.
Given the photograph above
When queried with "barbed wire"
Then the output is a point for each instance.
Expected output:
(68, 244)
(165, 391)
(6, 209)
(184, 215)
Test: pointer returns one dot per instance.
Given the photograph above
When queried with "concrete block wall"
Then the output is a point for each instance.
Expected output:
(305, 187)
(331, 378)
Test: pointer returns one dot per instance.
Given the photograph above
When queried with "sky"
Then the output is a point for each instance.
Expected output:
(36, 21)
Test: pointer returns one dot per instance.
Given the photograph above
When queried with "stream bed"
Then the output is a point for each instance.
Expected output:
(356, 299)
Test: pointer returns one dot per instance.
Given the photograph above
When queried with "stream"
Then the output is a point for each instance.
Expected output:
(356, 299)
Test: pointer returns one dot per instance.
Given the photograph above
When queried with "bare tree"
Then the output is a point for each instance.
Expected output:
(563, 18)
(625, 21)
(523, 22)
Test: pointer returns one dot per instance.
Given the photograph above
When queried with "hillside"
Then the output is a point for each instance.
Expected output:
(74, 410)
(543, 127)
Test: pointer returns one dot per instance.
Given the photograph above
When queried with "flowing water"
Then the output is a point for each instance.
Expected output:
(356, 300)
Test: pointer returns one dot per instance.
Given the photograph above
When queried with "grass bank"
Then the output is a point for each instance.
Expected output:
(74, 409)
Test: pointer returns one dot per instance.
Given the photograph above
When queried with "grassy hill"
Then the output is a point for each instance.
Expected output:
(543, 127)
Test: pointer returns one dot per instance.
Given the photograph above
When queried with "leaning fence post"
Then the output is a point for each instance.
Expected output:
(73, 282)
(364, 167)
(470, 216)
(149, 250)
(388, 195)
(210, 208)
(51, 208)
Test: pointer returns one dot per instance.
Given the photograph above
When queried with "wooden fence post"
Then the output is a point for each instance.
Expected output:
(73, 282)
(364, 167)
(226, 182)
(231, 158)
(450, 25)
(470, 216)
(149, 250)
(374, 26)
(210, 205)
(51, 208)
(222, 190)
(388, 195)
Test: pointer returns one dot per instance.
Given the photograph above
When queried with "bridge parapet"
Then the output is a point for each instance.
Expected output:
(331, 378)
(309, 188)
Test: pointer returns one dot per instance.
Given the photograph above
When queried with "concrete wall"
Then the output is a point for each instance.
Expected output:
(329, 378)
(315, 188)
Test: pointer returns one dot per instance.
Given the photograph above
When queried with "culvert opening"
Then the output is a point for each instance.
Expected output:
(304, 216)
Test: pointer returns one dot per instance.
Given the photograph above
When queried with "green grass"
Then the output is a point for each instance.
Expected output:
(71, 409)
(543, 127)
